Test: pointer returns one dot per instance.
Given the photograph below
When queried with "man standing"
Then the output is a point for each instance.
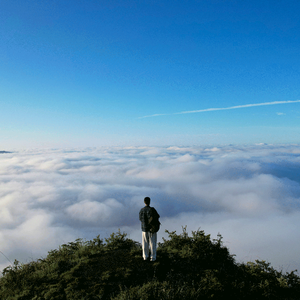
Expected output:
(148, 215)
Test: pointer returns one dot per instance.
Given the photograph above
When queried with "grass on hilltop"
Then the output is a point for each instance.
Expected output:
(188, 267)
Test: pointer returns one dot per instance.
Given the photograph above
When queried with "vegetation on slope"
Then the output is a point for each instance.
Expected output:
(188, 267)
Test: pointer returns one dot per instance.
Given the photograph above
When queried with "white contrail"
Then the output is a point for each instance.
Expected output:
(224, 108)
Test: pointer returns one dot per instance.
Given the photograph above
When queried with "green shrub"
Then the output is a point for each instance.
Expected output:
(187, 267)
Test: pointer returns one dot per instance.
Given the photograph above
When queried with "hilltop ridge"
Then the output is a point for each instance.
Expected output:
(188, 267)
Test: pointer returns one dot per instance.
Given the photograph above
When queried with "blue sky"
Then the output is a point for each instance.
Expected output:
(84, 73)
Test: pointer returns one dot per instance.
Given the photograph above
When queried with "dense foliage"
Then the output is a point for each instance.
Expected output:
(188, 267)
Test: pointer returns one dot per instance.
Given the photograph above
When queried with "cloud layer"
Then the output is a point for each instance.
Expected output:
(251, 195)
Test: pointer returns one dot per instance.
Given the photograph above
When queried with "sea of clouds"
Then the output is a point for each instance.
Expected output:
(250, 195)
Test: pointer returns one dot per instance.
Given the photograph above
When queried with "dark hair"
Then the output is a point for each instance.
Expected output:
(147, 200)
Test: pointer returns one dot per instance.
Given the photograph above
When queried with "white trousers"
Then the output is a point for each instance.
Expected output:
(149, 243)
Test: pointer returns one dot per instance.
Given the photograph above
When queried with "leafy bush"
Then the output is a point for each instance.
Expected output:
(188, 267)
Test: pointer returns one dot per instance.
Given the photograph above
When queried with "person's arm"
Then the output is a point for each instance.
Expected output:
(141, 215)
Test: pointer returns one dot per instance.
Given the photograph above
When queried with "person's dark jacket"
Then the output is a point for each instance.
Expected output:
(144, 215)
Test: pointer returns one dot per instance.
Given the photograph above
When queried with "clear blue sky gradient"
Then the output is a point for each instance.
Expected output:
(83, 73)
